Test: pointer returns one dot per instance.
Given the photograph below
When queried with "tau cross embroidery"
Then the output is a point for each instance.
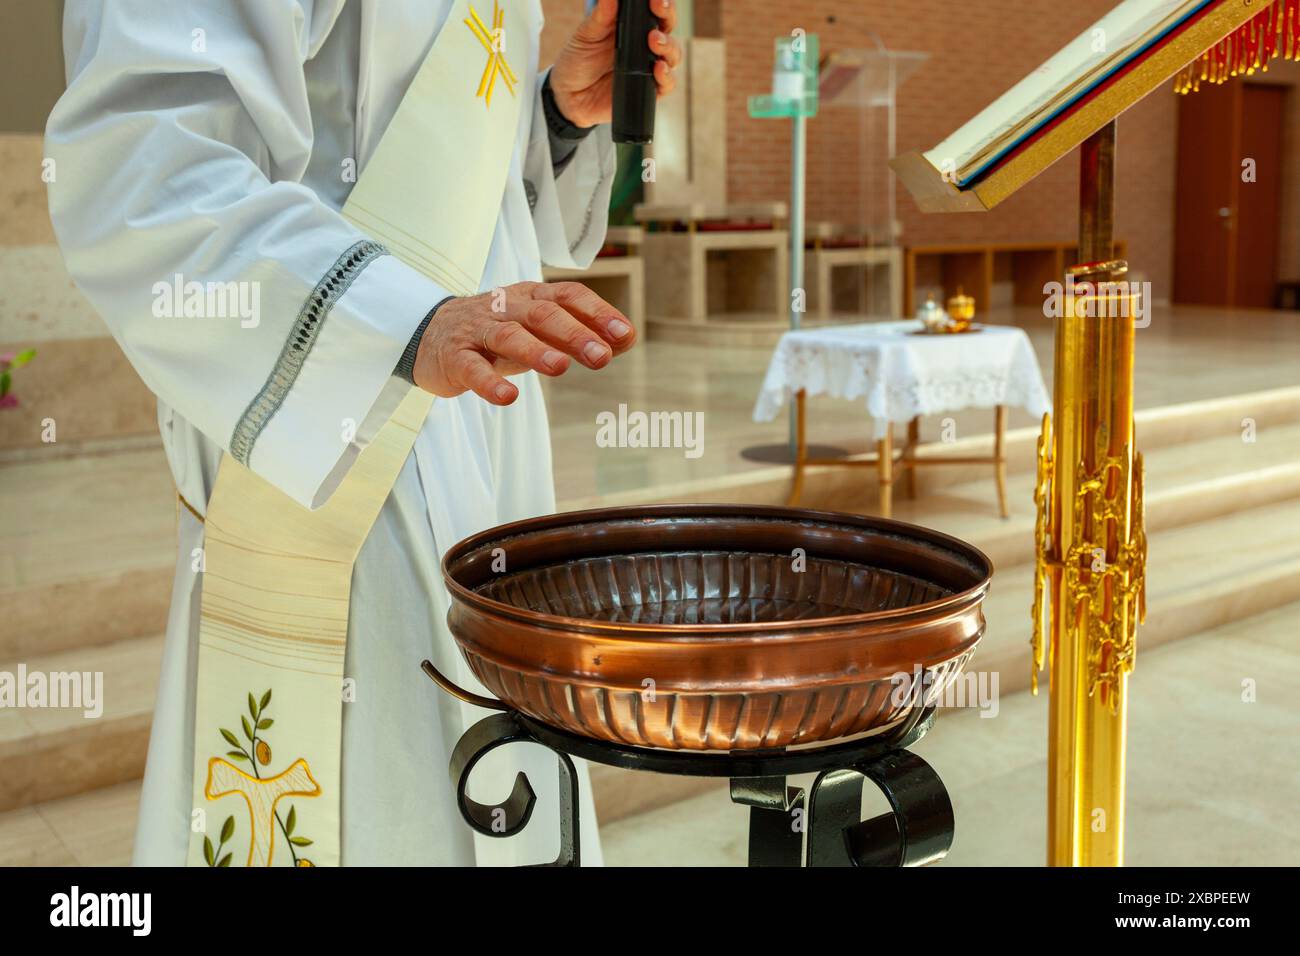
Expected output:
(494, 41)
(261, 795)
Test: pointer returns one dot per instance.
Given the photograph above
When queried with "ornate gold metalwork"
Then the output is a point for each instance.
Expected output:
(1094, 588)
(1107, 597)
(1092, 549)
(1042, 548)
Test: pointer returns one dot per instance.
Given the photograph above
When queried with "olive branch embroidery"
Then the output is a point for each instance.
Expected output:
(211, 855)
(258, 752)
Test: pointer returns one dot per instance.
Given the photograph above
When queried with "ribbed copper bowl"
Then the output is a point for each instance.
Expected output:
(700, 627)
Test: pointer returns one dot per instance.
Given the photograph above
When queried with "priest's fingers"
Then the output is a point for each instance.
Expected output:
(666, 11)
(550, 323)
(472, 371)
(591, 310)
(664, 78)
(512, 342)
(665, 47)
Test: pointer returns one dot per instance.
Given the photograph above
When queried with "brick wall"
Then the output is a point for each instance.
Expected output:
(975, 56)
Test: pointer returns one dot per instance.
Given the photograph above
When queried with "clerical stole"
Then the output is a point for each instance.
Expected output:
(276, 576)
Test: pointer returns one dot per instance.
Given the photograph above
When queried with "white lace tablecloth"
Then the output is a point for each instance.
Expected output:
(900, 375)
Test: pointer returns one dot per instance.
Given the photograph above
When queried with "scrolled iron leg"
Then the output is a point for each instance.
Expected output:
(917, 830)
(776, 819)
(920, 827)
(834, 805)
(511, 816)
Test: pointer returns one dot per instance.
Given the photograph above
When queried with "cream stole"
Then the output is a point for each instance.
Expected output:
(277, 577)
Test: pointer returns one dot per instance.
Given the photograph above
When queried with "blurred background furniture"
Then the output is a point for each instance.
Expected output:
(857, 265)
(874, 274)
(976, 267)
(714, 262)
(1287, 295)
(617, 275)
(902, 374)
(719, 269)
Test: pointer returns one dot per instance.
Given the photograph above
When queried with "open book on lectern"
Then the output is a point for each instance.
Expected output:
(1121, 58)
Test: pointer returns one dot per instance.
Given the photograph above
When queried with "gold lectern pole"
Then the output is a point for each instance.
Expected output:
(1090, 539)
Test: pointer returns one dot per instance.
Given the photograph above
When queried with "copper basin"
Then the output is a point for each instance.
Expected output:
(715, 627)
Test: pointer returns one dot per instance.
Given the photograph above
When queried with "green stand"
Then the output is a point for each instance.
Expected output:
(793, 97)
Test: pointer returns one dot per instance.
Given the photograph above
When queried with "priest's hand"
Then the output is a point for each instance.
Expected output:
(582, 79)
(474, 342)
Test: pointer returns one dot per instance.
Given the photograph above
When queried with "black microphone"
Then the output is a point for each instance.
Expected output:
(635, 91)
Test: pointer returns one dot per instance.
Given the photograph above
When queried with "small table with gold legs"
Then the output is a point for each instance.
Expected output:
(889, 460)
(904, 376)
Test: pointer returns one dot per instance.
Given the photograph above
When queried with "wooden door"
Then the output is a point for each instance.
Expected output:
(1259, 203)
(1225, 225)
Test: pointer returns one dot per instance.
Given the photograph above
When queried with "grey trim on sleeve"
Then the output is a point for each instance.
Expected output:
(406, 364)
(302, 336)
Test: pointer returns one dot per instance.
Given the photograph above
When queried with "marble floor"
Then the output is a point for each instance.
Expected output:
(1212, 777)
(1187, 353)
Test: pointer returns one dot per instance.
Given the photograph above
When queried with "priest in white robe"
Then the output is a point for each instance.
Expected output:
(216, 141)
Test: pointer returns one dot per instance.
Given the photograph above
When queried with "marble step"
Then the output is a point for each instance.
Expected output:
(95, 828)
(1196, 480)
(73, 393)
(87, 550)
(79, 379)
(1199, 577)
(1157, 428)
(51, 752)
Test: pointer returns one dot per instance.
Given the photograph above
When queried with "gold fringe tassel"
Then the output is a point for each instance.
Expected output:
(1269, 34)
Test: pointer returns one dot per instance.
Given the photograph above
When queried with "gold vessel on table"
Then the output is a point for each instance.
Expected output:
(961, 312)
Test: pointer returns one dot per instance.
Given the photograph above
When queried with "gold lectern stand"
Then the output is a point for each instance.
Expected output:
(1091, 546)
(1090, 541)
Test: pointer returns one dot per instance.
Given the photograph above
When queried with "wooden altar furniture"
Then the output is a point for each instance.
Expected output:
(829, 249)
(715, 260)
(976, 267)
(617, 275)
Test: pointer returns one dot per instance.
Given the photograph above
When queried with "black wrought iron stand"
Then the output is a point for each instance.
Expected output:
(917, 830)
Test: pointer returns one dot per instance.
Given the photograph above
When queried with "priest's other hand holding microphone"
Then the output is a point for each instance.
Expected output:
(474, 343)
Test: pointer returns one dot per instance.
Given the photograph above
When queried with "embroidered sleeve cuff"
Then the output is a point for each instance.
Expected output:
(327, 397)
(406, 364)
